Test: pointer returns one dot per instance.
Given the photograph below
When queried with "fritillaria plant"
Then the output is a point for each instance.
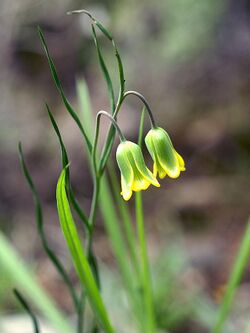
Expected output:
(135, 177)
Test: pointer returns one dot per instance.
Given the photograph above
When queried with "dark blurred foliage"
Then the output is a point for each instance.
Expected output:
(191, 59)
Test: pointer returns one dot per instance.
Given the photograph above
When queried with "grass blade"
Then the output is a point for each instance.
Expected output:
(234, 280)
(27, 308)
(77, 252)
(65, 162)
(23, 278)
(85, 108)
(40, 227)
(100, 26)
(60, 89)
(104, 71)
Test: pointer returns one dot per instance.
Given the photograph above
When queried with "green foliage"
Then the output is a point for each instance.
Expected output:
(23, 279)
(240, 264)
(40, 227)
(25, 305)
(60, 89)
(78, 254)
(151, 306)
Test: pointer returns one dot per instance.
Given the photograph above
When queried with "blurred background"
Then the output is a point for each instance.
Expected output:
(191, 59)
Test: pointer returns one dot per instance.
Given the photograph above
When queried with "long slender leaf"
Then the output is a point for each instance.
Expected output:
(85, 108)
(40, 226)
(23, 278)
(104, 70)
(60, 89)
(240, 264)
(27, 308)
(78, 255)
(107, 34)
(100, 26)
(65, 162)
(111, 134)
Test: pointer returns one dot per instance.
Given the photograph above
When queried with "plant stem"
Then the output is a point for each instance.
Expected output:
(146, 279)
(92, 216)
(27, 308)
(145, 271)
(125, 214)
(80, 313)
(147, 107)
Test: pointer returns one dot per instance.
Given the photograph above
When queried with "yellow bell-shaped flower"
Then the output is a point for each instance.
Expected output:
(166, 159)
(135, 176)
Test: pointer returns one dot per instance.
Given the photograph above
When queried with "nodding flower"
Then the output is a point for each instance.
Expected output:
(135, 176)
(166, 159)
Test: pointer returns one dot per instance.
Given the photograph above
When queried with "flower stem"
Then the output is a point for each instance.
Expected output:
(145, 270)
(143, 99)
(146, 279)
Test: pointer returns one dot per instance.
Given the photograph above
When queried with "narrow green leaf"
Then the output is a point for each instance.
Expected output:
(85, 108)
(65, 162)
(78, 255)
(60, 89)
(109, 36)
(100, 26)
(104, 70)
(23, 278)
(40, 227)
(27, 308)
(240, 264)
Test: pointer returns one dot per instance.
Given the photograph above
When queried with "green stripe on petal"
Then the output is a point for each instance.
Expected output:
(162, 173)
(141, 166)
(135, 176)
(166, 154)
(127, 175)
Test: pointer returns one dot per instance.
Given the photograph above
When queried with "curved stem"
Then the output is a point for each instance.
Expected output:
(111, 135)
(143, 99)
(114, 123)
(97, 178)
(110, 140)
(96, 173)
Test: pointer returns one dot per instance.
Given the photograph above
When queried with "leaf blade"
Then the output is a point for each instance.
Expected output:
(79, 258)
(60, 89)
(40, 226)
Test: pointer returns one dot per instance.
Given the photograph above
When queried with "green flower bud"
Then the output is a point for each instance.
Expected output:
(166, 159)
(135, 176)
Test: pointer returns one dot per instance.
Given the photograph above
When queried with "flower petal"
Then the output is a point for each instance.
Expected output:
(142, 168)
(166, 154)
(126, 170)
(181, 161)
(126, 189)
(140, 184)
